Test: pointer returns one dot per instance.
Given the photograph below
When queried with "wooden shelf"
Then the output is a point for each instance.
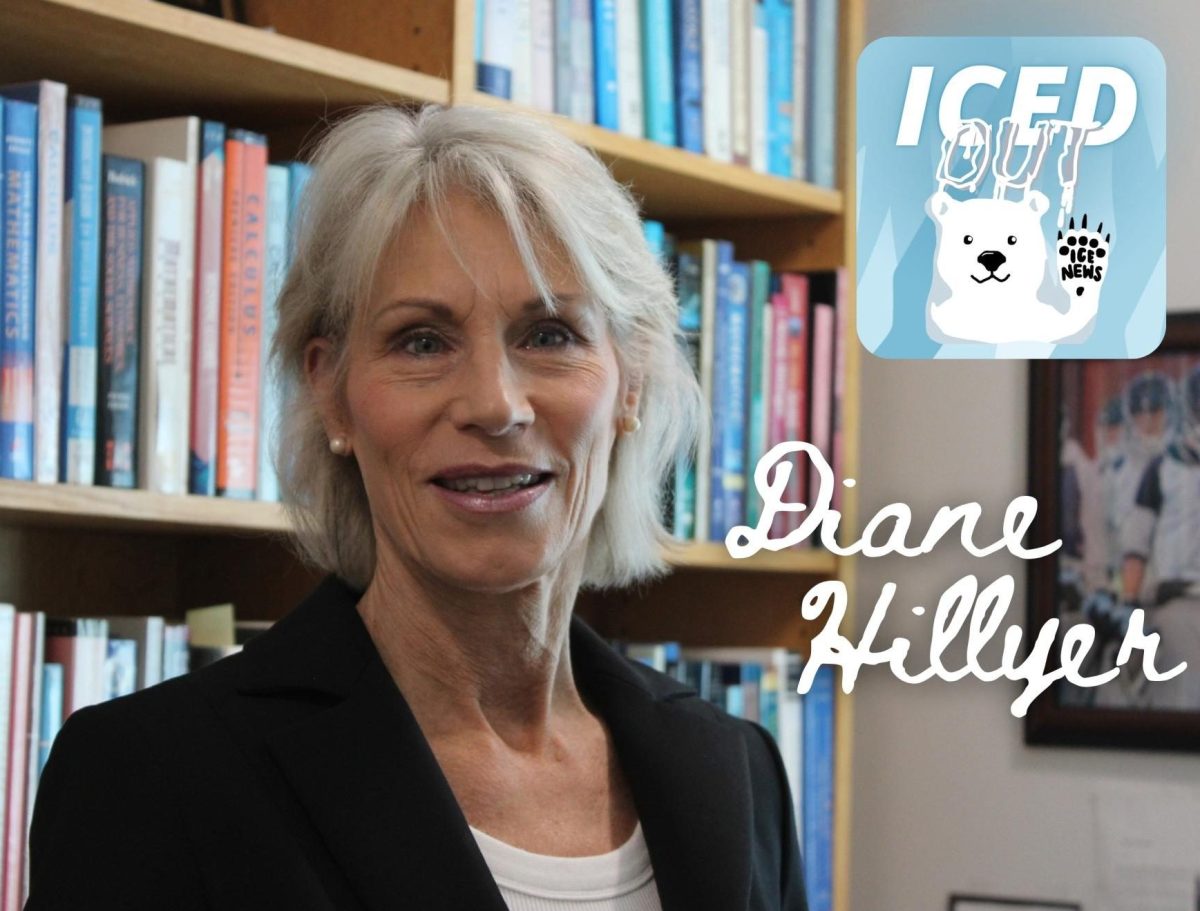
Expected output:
(713, 555)
(674, 183)
(144, 56)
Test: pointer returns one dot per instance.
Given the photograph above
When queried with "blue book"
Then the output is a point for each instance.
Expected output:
(689, 76)
(81, 224)
(731, 683)
(822, 81)
(299, 174)
(52, 711)
(688, 282)
(656, 238)
(604, 19)
(817, 781)
(120, 320)
(728, 492)
(658, 70)
(758, 354)
(278, 195)
(779, 87)
(20, 255)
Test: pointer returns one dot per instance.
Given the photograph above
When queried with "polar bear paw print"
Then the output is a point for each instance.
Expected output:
(1083, 259)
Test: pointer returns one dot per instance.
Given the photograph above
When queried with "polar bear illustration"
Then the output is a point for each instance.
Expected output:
(989, 267)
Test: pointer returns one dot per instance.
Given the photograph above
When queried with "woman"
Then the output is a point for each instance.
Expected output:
(484, 393)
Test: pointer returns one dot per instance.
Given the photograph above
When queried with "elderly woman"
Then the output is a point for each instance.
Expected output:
(485, 391)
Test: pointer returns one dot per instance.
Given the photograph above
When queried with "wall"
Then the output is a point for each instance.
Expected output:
(947, 796)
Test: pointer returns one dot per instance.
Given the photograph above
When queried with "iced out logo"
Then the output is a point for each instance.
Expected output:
(965, 146)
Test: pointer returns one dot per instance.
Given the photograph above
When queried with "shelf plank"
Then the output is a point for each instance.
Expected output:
(144, 56)
(674, 183)
(27, 503)
(713, 555)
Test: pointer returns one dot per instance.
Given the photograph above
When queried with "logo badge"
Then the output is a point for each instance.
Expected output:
(1011, 198)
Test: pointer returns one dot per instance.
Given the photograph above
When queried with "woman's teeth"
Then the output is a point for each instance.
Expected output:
(489, 484)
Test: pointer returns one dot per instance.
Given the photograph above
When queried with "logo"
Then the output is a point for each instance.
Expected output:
(1011, 198)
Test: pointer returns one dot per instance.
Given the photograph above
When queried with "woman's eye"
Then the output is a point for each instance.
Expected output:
(550, 336)
(421, 343)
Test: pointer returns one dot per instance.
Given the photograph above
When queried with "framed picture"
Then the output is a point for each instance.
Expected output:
(1115, 466)
(991, 903)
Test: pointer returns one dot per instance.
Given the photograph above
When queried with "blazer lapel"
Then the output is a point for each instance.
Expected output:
(689, 777)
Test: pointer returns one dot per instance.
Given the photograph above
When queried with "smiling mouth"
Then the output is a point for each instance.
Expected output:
(992, 277)
(493, 486)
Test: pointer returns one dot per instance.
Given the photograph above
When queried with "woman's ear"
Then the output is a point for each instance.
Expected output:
(319, 373)
(633, 393)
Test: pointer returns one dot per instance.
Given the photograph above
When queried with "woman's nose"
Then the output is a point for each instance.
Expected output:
(492, 394)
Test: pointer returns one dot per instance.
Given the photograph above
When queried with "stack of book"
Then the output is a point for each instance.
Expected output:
(751, 82)
(768, 349)
(760, 685)
(145, 259)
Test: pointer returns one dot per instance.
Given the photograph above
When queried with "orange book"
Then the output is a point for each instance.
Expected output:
(241, 313)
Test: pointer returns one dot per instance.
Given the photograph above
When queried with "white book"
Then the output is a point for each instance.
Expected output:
(542, 27)
(8, 624)
(800, 105)
(740, 32)
(759, 55)
(715, 51)
(170, 149)
(522, 52)
(269, 388)
(50, 319)
(706, 252)
(147, 632)
(583, 63)
(631, 118)
(35, 725)
(499, 35)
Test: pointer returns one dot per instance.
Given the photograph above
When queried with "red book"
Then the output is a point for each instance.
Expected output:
(241, 313)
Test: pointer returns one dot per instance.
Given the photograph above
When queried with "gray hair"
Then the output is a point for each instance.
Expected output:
(371, 169)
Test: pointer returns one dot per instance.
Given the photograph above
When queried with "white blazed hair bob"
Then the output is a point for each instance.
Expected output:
(370, 170)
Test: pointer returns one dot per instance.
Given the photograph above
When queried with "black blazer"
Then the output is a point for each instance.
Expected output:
(294, 776)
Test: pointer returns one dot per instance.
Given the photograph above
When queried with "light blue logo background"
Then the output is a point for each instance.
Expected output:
(1121, 183)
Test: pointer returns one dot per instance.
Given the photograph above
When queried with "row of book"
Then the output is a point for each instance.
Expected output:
(141, 267)
(769, 351)
(760, 684)
(752, 82)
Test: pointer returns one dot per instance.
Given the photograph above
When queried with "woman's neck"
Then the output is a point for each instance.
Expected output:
(473, 664)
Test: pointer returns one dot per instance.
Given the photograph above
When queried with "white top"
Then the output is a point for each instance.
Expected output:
(621, 880)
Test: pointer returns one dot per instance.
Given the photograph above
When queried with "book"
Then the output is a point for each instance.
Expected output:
(759, 80)
(299, 174)
(779, 87)
(120, 667)
(821, 409)
(689, 79)
(52, 710)
(817, 800)
(839, 387)
(51, 100)
(583, 65)
(20, 301)
(241, 313)
(276, 248)
(80, 645)
(81, 287)
(658, 70)
(170, 149)
(800, 106)
(689, 284)
(17, 745)
(757, 378)
(522, 53)
(33, 746)
(542, 46)
(704, 254)
(604, 35)
(8, 642)
(729, 394)
(147, 635)
(496, 34)
(796, 392)
(822, 93)
(117, 382)
(206, 322)
(717, 79)
(739, 78)
(631, 109)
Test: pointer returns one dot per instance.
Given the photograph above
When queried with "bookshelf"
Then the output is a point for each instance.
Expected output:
(83, 550)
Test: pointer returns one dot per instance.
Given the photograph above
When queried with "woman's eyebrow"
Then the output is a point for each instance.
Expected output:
(444, 311)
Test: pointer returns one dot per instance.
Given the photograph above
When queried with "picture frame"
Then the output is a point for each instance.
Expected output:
(994, 903)
(1103, 434)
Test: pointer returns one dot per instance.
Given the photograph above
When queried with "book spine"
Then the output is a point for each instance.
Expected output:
(823, 37)
(779, 88)
(839, 386)
(717, 79)
(821, 423)
(18, 755)
(494, 67)
(8, 637)
(542, 18)
(120, 668)
(241, 313)
(733, 331)
(801, 18)
(120, 323)
(166, 329)
(604, 25)
(561, 10)
(631, 108)
(522, 52)
(658, 62)
(756, 401)
(276, 264)
(739, 78)
(689, 84)
(299, 174)
(206, 339)
(583, 65)
(34, 730)
(795, 289)
(81, 284)
(52, 710)
(777, 407)
(817, 776)
(688, 271)
(759, 79)
(722, 393)
(20, 251)
(707, 254)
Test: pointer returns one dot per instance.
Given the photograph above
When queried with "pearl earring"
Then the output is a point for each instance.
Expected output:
(339, 446)
(631, 423)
